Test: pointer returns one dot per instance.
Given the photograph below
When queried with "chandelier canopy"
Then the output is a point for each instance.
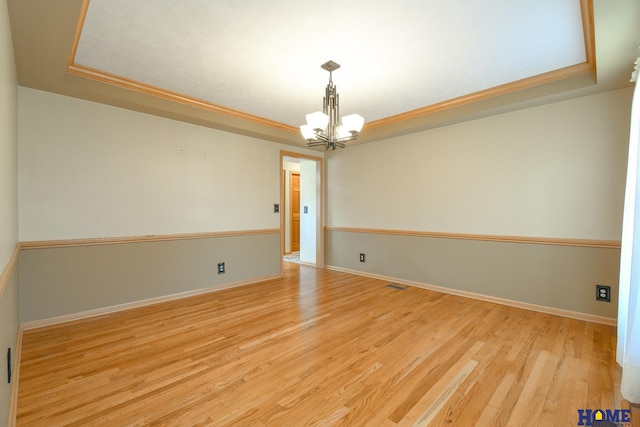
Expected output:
(323, 127)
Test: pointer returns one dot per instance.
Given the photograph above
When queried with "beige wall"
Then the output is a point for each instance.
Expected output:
(552, 171)
(63, 281)
(91, 170)
(559, 277)
(8, 142)
(8, 206)
(88, 170)
(9, 324)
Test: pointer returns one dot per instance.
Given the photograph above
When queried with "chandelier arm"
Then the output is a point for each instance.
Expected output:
(316, 143)
(347, 138)
(322, 137)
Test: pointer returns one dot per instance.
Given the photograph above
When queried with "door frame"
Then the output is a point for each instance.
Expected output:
(319, 203)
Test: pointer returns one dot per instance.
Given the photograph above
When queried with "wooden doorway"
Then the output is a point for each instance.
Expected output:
(294, 205)
(313, 243)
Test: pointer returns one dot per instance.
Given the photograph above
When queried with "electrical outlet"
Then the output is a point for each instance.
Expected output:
(9, 365)
(603, 293)
(221, 268)
(361, 257)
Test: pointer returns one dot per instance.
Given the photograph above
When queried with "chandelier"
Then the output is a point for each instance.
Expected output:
(322, 127)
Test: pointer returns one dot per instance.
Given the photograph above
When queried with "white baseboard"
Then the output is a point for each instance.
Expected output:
(136, 304)
(503, 301)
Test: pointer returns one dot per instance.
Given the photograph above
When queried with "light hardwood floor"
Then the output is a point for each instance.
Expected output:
(318, 347)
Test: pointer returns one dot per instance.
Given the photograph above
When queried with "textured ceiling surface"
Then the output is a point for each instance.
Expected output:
(264, 58)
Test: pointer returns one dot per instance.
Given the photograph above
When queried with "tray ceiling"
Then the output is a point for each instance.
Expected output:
(249, 66)
(263, 58)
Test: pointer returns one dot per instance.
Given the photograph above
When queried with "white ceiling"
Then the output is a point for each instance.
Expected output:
(264, 58)
(253, 67)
